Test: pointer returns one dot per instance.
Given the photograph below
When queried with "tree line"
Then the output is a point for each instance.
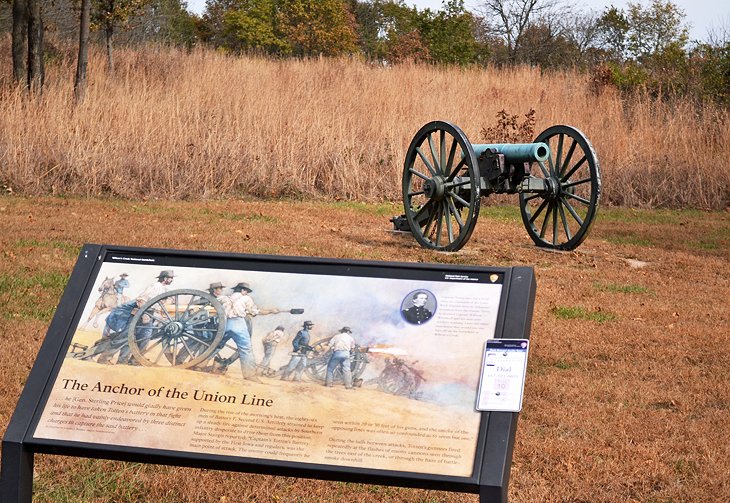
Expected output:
(645, 46)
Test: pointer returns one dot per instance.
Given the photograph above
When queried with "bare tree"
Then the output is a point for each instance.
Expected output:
(20, 41)
(35, 45)
(27, 43)
(83, 59)
(511, 18)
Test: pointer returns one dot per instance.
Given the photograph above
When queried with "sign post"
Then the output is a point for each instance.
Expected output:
(339, 370)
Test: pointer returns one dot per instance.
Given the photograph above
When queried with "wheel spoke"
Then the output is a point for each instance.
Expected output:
(450, 185)
(184, 316)
(165, 346)
(578, 198)
(204, 321)
(456, 169)
(572, 211)
(440, 211)
(558, 155)
(419, 174)
(567, 158)
(456, 214)
(196, 339)
(531, 197)
(573, 169)
(539, 210)
(565, 223)
(420, 212)
(417, 193)
(547, 218)
(452, 152)
(185, 345)
(543, 169)
(426, 229)
(449, 229)
(551, 164)
(426, 162)
(158, 320)
(458, 198)
(164, 310)
(555, 224)
(433, 154)
(152, 346)
(573, 184)
(442, 152)
(174, 352)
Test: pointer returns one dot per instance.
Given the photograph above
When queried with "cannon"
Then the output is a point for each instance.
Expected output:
(557, 179)
(319, 356)
(182, 328)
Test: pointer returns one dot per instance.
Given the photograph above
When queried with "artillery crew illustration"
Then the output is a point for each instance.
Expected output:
(270, 341)
(120, 285)
(117, 322)
(240, 309)
(298, 361)
(342, 344)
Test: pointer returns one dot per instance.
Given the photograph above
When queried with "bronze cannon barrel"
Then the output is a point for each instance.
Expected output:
(516, 152)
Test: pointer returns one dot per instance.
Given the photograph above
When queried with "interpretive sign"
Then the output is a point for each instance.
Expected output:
(347, 370)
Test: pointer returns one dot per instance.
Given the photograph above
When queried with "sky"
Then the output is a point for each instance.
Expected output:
(701, 15)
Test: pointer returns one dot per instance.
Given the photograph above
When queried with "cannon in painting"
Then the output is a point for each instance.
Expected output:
(557, 179)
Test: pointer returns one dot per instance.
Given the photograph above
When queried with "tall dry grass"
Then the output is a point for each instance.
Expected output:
(172, 124)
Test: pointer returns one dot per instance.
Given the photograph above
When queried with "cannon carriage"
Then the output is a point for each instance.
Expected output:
(557, 179)
(319, 355)
(185, 329)
(182, 328)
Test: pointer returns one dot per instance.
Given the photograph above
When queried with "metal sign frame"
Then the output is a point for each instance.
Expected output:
(496, 432)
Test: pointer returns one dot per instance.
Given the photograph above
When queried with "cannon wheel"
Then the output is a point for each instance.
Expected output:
(320, 356)
(441, 187)
(561, 217)
(180, 328)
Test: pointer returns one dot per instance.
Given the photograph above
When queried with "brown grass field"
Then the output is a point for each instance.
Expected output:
(628, 391)
(176, 125)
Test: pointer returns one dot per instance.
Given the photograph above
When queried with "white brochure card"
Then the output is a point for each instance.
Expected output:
(503, 375)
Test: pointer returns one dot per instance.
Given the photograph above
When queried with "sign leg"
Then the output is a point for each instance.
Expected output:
(492, 494)
(16, 482)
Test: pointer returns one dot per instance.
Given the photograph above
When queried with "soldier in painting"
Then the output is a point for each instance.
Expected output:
(418, 314)
(342, 344)
(298, 361)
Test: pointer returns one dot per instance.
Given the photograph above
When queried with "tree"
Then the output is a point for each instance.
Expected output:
(400, 34)
(317, 27)
(165, 21)
(20, 41)
(252, 26)
(613, 28)
(449, 34)
(83, 57)
(655, 29)
(511, 18)
(27, 43)
(109, 14)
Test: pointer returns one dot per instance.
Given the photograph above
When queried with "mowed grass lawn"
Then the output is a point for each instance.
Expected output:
(628, 391)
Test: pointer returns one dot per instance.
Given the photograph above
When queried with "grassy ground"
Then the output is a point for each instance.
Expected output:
(627, 396)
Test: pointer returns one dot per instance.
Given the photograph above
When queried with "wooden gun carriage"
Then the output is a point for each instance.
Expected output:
(557, 179)
(185, 329)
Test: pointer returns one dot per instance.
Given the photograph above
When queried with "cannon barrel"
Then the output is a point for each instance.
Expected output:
(516, 152)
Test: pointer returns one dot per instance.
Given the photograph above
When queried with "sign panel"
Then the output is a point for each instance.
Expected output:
(351, 366)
